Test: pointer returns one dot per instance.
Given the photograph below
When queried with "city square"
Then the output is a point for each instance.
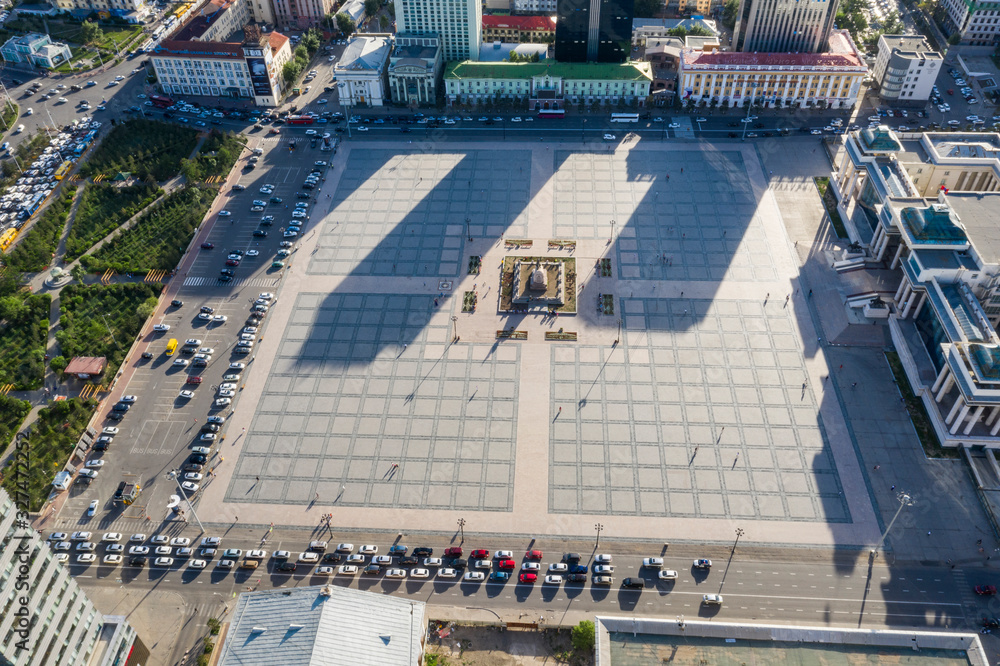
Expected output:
(696, 401)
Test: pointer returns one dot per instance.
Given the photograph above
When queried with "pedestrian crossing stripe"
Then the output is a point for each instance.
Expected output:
(239, 282)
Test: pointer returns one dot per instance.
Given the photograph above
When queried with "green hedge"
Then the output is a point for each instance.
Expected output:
(34, 252)
(99, 320)
(51, 442)
(144, 148)
(103, 208)
(157, 240)
(12, 414)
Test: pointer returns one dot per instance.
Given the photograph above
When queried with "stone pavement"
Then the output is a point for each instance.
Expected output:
(713, 408)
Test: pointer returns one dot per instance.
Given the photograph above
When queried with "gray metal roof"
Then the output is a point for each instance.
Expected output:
(324, 625)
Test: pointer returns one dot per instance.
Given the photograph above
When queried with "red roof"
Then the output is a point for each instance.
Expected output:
(841, 53)
(86, 365)
(539, 23)
(277, 40)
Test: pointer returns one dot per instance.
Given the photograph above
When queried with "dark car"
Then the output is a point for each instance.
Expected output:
(571, 557)
(500, 576)
(207, 246)
(302, 195)
(409, 561)
(480, 554)
(454, 551)
(372, 569)
(207, 310)
(136, 561)
(102, 444)
(276, 199)
(286, 566)
(986, 590)
(116, 416)
(227, 271)
(198, 458)
(459, 563)
(332, 558)
(398, 549)
(576, 578)
(122, 407)
(176, 303)
(634, 583)
(423, 552)
(232, 262)
(259, 233)
(578, 569)
(991, 623)
(193, 467)
(147, 355)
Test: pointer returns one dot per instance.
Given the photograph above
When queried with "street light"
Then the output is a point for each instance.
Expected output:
(454, 323)
(904, 500)
(739, 533)
(619, 336)
(599, 527)
(173, 475)
(583, 129)
(746, 121)
(612, 232)
(468, 230)
(109, 331)
(461, 527)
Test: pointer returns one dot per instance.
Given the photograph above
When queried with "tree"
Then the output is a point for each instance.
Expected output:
(78, 272)
(371, 7)
(290, 71)
(583, 637)
(147, 308)
(648, 8)
(58, 364)
(90, 32)
(311, 41)
(729, 13)
(383, 22)
(345, 23)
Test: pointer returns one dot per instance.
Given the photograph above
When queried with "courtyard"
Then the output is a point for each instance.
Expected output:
(696, 399)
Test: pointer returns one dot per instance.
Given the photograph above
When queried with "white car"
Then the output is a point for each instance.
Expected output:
(449, 573)
(181, 362)
(225, 564)
(197, 564)
(558, 567)
(159, 539)
(112, 536)
(163, 561)
(109, 430)
(309, 558)
(204, 450)
(603, 559)
(193, 476)
(226, 394)
(186, 395)
(112, 559)
(504, 554)
(223, 402)
(180, 541)
(473, 576)
(712, 599)
(355, 558)
(252, 253)
(85, 546)
(224, 213)
(91, 511)
(609, 137)
(137, 538)
(190, 487)
(674, 125)
(236, 366)
(161, 328)
(138, 550)
(419, 573)
(95, 464)
(209, 436)
(667, 574)
(395, 573)
(163, 550)
(603, 569)
(553, 580)
(220, 319)
(88, 473)
(86, 558)
(530, 566)
(227, 387)
(347, 570)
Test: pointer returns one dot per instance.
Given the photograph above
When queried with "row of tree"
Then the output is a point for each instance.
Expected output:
(303, 52)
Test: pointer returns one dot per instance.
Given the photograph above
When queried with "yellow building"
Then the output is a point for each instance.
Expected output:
(832, 78)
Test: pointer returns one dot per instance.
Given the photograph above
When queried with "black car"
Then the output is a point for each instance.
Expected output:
(210, 427)
(266, 222)
(199, 363)
(409, 561)
(116, 416)
(239, 188)
(259, 233)
(404, 129)
(122, 407)
(147, 355)
(207, 309)
(332, 558)
(372, 569)
(253, 321)
(634, 583)
(576, 578)
(198, 458)
(137, 561)
(423, 552)
(459, 563)
(239, 253)
(991, 623)
(193, 467)
(176, 303)
(227, 271)
(571, 557)
(303, 195)
(286, 566)
(101, 446)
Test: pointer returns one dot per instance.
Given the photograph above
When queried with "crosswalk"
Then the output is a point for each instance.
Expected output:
(238, 282)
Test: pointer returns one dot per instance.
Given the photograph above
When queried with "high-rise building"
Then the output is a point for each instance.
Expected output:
(45, 618)
(593, 30)
(784, 26)
(974, 22)
(458, 24)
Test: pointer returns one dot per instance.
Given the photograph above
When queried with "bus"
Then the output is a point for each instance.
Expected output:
(300, 120)
(28, 209)
(63, 169)
(7, 237)
(171, 346)
(161, 101)
(552, 113)
(624, 117)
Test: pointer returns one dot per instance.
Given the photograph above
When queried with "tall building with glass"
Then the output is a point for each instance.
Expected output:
(458, 24)
(784, 26)
(45, 617)
(593, 30)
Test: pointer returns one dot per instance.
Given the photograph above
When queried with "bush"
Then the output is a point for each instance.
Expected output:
(52, 440)
(583, 637)
(34, 252)
(12, 413)
(104, 207)
(99, 320)
(143, 147)
(158, 238)
(24, 328)
(217, 156)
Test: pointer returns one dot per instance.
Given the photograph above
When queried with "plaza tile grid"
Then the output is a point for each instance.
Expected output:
(695, 225)
(703, 411)
(405, 213)
(344, 401)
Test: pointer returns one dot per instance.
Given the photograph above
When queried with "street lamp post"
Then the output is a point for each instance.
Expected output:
(739, 533)
(746, 121)
(174, 476)
(461, 527)
(583, 129)
(599, 527)
(454, 324)
(904, 500)
(612, 232)
(109, 331)
(619, 336)
(468, 229)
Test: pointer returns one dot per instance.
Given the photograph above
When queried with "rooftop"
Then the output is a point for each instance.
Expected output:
(414, 51)
(932, 225)
(500, 51)
(878, 140)
(208, 14)
(632, 71)
(978, 213)
(842, 54)
(309, 625)
(365, 53)
(975, 145)
(520, 22)
(86, 365)
(668, 24)
(909, 43)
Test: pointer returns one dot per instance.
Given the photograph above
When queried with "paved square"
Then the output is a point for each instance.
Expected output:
(712, 407)
(399, 213)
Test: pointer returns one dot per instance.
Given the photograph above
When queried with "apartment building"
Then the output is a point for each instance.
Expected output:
(905, 69)
(300, 14)
(458, 24)
(976, 23)
(784, 26)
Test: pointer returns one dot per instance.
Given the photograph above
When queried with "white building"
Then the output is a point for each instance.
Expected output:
(905, 68)
(362, 70)
(977, 24)
(414, 69)
(132, 10)
(300, 14)
(534, 6)
(37, 49)
(45, 617)
(458, 24)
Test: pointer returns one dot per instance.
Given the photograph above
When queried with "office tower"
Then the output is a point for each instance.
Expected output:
(784, 26)
(458, 24)
(593, 30)
(45, 617)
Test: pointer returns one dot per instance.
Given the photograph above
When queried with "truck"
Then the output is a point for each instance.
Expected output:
(127, 493)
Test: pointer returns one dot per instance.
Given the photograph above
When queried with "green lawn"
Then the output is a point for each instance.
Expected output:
(9, 114)
(24, 325)
(12, 413)
(34, 252)
(103, 207)
(52, 440)
(157, 240)
(143, 148)
(99, 320)
(830, 203)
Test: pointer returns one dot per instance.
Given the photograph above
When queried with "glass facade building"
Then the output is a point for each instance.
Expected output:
(593, 30)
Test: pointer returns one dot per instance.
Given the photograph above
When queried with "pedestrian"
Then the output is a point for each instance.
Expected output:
(560, 410)
(810, 292)
(893, 488)
(317, 495)
(258, 478)
(854, 385)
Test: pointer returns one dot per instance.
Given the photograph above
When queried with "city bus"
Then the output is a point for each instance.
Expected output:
(160, 101)
(624, 117)
(171, 346)
(62, 170)
(300, 120)
(552, 113)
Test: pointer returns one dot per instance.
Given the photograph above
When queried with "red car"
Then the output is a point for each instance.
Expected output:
(533, 555)
(481, 554)
(455, 551)
(193, 380)
(232, 262)
(506, 564)
(527, 577)
(987, 590)
(207, 246)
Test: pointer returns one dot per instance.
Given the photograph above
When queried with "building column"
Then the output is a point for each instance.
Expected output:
(920, 304)
(895, 258)
(909, 306)
(958, 420)
(992, 416)
(954, 410)
(899, 292)
(996, 428)
(972, 422)
(876, 239)
(940, 379)
(948, 383)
